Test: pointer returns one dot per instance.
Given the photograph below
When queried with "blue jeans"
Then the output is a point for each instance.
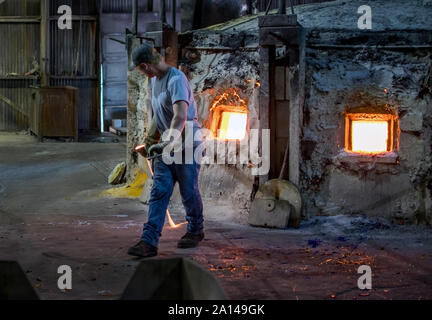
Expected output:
(165, 177)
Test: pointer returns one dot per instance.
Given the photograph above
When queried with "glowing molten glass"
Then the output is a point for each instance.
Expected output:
(370, 136)
(233, 126)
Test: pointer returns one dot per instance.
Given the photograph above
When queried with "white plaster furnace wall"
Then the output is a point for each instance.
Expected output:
(336, 79)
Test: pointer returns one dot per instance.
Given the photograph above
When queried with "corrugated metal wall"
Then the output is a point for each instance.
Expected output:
(74, 59)
(19, 93)
(73, 54)
(20, 8)
(79, 7)
(19, 43)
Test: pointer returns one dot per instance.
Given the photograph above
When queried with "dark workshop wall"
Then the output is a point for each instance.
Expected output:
(74, 57)
(20, 40)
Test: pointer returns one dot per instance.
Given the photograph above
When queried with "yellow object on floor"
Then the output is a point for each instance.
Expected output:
(132, 190)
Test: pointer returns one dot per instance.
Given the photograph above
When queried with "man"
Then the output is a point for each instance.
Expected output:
(173, 105)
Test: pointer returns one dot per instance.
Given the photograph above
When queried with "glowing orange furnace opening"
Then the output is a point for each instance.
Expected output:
(228, 116)
(370, 136)
(232, 126)
(369, 133)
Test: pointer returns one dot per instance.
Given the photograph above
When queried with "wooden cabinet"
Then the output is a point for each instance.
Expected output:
(54, 112)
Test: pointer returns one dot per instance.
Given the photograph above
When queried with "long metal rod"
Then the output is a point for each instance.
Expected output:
(13, 105)
(135, 17)
(284, 163)
(292, 6)
(268, 7)
(29, 19)
(174, 13)
(120, 41)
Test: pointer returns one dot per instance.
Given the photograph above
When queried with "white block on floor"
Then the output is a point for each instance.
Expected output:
(269, 213)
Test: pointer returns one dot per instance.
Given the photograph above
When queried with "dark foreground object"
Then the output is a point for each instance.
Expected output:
(14, 284)
(172, 279)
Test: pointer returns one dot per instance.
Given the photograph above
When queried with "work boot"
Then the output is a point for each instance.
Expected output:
(190, 240)
(143, 249)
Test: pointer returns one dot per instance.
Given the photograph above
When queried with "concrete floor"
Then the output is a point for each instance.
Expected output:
(51, 214)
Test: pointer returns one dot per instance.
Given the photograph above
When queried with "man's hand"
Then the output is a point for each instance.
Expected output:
(157, 149)
(143, 150)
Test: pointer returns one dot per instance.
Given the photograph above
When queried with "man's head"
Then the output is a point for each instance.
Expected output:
(145, 59)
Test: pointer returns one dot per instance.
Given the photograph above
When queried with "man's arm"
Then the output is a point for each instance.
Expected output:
(178, 121)
(179, 90)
